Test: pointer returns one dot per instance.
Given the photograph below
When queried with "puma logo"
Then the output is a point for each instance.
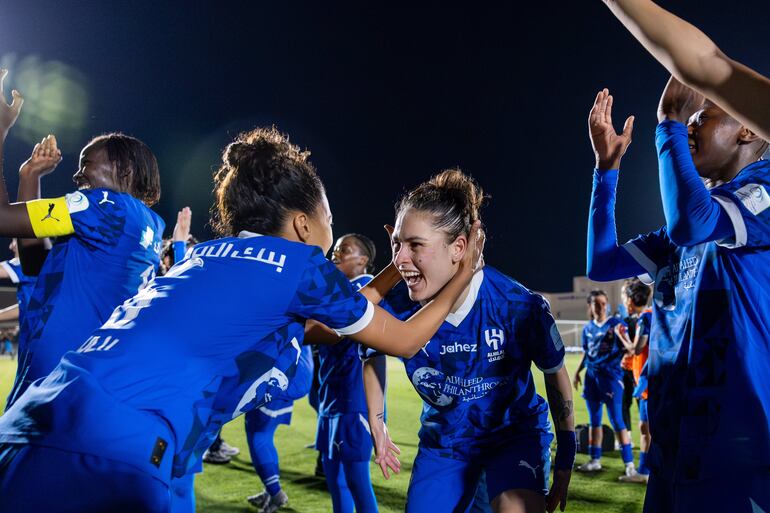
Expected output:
(338, 445)
(524, 464)
(105, 199)
(49, 215)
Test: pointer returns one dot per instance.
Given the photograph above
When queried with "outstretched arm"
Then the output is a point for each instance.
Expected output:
(605, 260)
(696, 60)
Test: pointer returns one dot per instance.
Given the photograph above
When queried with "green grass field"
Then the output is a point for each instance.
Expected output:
(224, 488)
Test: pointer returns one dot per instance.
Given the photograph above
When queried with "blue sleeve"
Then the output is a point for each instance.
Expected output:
(361, 281)
(651, 251)
(692, 215)
(546, 348)
(325, 294)
(98, 216)
(747, 203)
(605, 260)
(180, 248)
(644, 324)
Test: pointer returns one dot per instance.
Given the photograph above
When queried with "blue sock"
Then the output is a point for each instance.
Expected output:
(626, 453)
(595, 452)
(264, 456)
(643, 468)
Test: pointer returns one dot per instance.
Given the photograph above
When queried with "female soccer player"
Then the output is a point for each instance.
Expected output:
(480, 412)
(708, 364)
(343, 437)
(637, 296)
(603, 350)
(216, 336)
(107, 245)
(694, 59)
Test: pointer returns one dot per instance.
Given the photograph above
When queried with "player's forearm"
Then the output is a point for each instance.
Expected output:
(379, 287)
(374, 389)
(605, 260)
(692, 215)
(582, 364)
(32, 252)
(14, 221)
(678, 45)
(318, 333)
(640, 343)
(559, 391)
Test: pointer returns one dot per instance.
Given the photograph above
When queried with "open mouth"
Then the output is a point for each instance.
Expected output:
(412, 278)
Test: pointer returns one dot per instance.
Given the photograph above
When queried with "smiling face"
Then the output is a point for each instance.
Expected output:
(96, 171)
(598, 307)
(422, 254)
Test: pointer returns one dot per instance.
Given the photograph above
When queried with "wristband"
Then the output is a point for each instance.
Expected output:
(566, 447)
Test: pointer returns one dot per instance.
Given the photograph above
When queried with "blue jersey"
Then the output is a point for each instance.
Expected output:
(114, 250)
(340, 377)
(218, 335)
(602, 347)
(24, 286)
(709, 363)
(474, 374)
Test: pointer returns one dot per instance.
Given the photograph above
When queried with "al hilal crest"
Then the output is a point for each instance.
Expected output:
(495, 338)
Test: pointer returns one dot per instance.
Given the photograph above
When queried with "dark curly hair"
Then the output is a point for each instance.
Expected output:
(596, 293)
(136, 165)
(637, 292)
(453, 198)
(262, 178)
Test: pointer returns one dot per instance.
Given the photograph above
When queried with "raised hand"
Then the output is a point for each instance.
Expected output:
(44, 159)
(678, 102)
(8, 113)
(609, 146)
(385, 451)
(182, 227)
(557, 496)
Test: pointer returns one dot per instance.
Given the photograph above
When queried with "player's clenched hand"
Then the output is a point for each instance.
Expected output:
(44, 159)
(386, 452)
(609, 146)
(8, 113)
(678, 102)
(557, 496)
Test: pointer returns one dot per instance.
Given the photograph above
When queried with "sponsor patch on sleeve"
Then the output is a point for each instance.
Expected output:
(754, 197)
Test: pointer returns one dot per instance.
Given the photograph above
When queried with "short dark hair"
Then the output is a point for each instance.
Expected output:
(452, 197)
(596, 293)
(637, 292)
(136, 165)
(366, 245)
(262, 178)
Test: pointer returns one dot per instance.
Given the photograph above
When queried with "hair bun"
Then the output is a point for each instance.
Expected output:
(462, 187)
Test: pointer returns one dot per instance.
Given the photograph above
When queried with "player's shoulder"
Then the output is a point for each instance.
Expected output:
(361, 280)
(751, 187)
(504, 291)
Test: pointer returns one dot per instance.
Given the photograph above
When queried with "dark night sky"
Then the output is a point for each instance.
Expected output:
(383, 96)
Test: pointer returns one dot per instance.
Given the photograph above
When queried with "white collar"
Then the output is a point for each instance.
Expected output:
(245, 234)
(458, 316)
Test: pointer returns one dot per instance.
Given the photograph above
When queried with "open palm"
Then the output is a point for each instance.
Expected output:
(609, 146)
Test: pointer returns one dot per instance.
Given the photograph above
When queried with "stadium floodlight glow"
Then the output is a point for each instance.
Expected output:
(56, 99)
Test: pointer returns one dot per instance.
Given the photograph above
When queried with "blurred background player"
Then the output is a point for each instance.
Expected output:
(708, 363)
(637, 296)
(481, 413)
(602, 353)
(343, 438)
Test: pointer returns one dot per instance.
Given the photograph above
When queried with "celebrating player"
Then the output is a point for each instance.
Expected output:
(107, 243)
(708, 362)
(143, 397)
(481, 412)
(602, 351)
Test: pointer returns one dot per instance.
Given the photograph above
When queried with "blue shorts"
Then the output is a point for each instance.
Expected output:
(345, 437)
(277, 411)
(34, 478)
(440, 483)
(741, 491)
(643, 410)
(603, 389)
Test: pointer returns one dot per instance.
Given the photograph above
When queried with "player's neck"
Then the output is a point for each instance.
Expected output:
(600, 322)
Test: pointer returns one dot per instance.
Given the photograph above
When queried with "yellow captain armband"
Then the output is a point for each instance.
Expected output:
(50, 217)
